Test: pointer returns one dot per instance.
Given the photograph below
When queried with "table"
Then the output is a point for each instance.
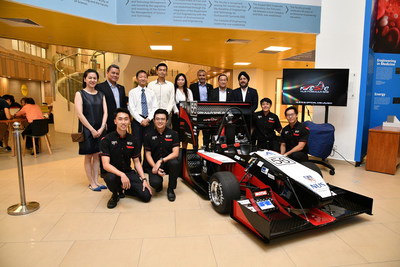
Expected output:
(11, 129)
(383, 154)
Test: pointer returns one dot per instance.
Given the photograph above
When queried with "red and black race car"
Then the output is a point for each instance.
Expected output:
(268, 193)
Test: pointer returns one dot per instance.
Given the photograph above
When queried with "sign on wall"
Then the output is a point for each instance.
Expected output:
(272, 15)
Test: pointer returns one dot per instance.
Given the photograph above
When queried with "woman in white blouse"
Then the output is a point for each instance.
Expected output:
(182, 93)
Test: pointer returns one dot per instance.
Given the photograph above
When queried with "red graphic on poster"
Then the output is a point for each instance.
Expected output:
(387, 39)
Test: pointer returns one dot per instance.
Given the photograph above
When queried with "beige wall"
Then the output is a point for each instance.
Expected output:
(263, 81)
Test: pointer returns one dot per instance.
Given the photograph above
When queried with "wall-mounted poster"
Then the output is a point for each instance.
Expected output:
(387, 27)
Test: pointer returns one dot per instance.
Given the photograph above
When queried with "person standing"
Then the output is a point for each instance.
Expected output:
(294, 137)
(142, 104)
(265, 124)
(117, 149)
(200, 91)
(221, 93)
(163, 89)
(245, 93)
(114, 94)
(91, 108)
(162, 149)
(182, 93)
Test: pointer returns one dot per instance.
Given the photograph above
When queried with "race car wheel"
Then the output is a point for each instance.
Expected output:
(223, 189)
(312, 166)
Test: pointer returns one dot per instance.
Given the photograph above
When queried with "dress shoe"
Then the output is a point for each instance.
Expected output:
(112, 203)
(171, 194)
(121, 194)
(97, 189)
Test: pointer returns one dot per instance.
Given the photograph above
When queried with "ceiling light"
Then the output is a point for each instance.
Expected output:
(237, 41)
(241, 63)
(277, 48)
(214, 72)
(161, 47)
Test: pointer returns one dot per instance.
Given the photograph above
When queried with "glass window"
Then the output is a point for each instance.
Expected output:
(21, 46)
(27, 48)
(14, 44)
(33, 50)
(43, 53)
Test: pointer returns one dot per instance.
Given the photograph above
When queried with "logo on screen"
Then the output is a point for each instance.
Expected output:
(319, 88)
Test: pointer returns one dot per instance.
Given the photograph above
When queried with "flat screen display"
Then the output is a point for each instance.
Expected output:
(315, 87)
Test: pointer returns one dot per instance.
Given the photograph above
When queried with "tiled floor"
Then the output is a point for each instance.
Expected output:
(73, 226)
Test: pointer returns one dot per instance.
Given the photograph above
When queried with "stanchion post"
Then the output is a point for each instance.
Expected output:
(22, 208)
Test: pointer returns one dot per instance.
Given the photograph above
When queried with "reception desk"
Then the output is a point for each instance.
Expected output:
(383, 154)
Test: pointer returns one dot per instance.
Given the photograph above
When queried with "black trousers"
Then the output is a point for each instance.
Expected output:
(299, 156)
(139, 131)
(114, 184)
(172, 168)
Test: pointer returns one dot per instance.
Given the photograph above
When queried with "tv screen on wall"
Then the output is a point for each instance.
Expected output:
(315, 87)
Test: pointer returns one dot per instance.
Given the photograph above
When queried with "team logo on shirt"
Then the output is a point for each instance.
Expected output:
(153, 137)
(259, 117)
(114, 143)
(168, 136)
(129, 143)
(286, 132)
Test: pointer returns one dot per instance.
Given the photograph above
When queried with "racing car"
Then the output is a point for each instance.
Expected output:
(270, 194)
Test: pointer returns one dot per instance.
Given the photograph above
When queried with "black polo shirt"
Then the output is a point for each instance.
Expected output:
(160, 145)
(120, 150)
(292, 136)
(3, 105)
(266, 125)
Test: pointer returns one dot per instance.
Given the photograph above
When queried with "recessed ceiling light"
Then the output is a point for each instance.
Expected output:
(214, 72)
(237, 41)
(241, 63)
(161, 47)
(277, 48)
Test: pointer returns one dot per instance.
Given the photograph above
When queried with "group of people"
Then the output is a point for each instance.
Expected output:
(104, 118)
(27, 109)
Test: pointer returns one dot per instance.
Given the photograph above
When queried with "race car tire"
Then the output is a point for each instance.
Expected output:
(223, 189)
(312, 166)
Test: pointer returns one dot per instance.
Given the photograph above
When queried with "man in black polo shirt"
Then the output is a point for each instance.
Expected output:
(162, 150)
(116, 150)
(265, 124)
(294, 137)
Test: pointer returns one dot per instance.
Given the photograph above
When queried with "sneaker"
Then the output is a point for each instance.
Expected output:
(159, 189)
(112, 203)
(171, 194)
(7, 148)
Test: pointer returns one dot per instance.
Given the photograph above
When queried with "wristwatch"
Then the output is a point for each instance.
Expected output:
(143, 179)
(162, 160)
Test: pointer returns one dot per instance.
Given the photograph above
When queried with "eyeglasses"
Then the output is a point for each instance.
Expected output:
(291, 115)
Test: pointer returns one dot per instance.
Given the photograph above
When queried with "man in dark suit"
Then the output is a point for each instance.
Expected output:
(245, 93)
(221, 93)
(114, 93)
(201, 89)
